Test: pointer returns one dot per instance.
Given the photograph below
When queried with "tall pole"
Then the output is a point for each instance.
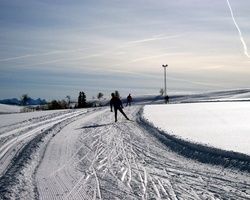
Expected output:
(165, 80)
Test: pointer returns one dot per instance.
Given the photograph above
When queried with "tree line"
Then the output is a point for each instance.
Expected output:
(68, 103)
(64, 103)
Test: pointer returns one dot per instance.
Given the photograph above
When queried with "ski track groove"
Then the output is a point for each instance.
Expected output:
(97, 184)
(96, 149)
(16, 143)
(19, 142)
(27, 127)
(92, 158)
(15, 126)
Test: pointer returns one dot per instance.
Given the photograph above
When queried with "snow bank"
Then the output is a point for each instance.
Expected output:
(222, 125)
(9, 108)
(8, 119)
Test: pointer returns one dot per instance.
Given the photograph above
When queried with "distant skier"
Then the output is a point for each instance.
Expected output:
(129, 100)
(117, 104)
(166, 99)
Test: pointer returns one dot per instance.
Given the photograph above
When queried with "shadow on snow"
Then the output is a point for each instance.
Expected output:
(95, 125)
(204, 154)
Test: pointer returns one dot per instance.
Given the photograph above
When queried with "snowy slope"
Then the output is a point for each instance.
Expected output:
(9, 108)
(14, 118)
(217, 96)
(83, 154)
(224, 125)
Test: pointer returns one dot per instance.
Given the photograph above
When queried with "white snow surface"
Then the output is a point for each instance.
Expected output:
(83, 154)
(223, 125)
(9, 108)
(13, 118)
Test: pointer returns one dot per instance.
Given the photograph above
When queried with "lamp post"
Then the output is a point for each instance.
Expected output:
(165, 81)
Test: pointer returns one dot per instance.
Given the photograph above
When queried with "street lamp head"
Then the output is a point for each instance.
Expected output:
(164, 65)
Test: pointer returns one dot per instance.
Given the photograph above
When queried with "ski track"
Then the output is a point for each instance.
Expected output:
(92, 157)
(19, 140)
(21, 137)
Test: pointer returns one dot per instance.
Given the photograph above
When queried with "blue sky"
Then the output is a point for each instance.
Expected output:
(54, 48)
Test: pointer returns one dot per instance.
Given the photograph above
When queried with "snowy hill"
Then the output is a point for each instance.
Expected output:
(9, 108)
(216, 96)
(228, 95)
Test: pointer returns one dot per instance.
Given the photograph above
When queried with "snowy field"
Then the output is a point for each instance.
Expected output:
(7, 119)
(9, 109)
(223, 125)
(83, 154)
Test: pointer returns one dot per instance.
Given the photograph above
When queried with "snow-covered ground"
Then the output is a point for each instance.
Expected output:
(9, 109)
(218, 96)
(84, 154)
(223, 125)
(14, 118)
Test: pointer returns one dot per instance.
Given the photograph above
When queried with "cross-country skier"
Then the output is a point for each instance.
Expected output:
(117, 104)
(129, 100)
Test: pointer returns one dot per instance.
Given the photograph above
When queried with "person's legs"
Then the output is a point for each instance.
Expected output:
(120, 109)
(115, 109)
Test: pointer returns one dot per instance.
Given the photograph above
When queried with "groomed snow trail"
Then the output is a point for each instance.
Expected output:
(14, 140)
(18, 144)
(95, 158)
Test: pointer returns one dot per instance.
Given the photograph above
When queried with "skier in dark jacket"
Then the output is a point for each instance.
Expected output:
(117, 104)
(129, 100)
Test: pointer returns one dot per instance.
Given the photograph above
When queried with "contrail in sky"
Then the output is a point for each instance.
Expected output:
(127, 44)
(153, 39)
(239, 31)
(156, 56)
(41, 54)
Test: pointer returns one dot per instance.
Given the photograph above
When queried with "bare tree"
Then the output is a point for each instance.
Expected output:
(68, 100)
(99, 96)
(161, 91)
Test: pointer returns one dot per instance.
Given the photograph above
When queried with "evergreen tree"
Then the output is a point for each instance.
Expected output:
(24, 99)
(54, 105)
(82, 100)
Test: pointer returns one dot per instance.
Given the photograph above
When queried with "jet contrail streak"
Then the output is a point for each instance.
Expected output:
(239, 31)
(153, 39)
(127, 44)
(41, 54)
(156, 56)
(15, 58)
